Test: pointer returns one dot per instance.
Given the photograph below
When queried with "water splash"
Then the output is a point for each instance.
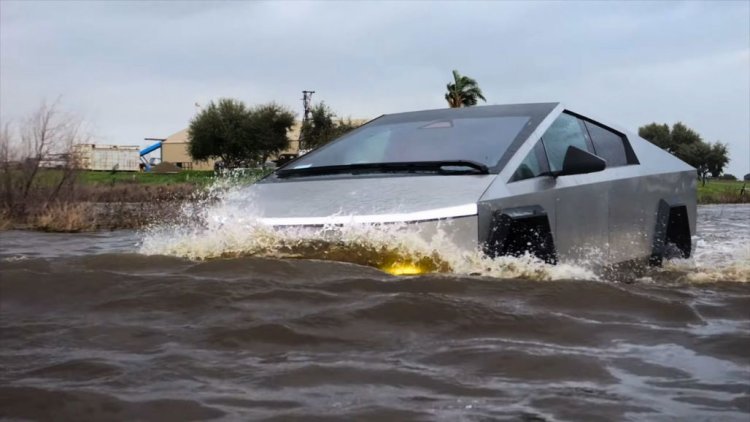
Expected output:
(722, 247)
(228, 226)
(712, 263)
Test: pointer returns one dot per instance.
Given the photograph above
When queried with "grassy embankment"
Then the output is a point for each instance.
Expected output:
(102, 200)
(723, 192)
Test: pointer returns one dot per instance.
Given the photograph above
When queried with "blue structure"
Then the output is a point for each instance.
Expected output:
(148, 150)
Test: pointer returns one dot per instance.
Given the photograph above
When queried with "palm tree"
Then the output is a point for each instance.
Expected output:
(463, 91)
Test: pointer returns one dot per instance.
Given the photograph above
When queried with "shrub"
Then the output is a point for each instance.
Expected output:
(727, 177)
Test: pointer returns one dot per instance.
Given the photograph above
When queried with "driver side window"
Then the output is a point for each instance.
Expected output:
(548, 154)
(566, 131)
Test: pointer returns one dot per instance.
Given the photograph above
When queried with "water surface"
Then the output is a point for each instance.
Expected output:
(95, 327)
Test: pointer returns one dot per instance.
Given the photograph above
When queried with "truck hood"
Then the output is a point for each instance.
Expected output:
(367, 199)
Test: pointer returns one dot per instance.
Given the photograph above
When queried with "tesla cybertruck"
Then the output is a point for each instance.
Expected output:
(507, 179)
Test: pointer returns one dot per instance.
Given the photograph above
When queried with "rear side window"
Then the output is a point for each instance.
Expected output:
(611, 146)
(566, 131)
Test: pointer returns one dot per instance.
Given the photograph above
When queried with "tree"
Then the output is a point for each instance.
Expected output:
(463, 91)
(717, 159)
(687, 145)
(683, 135)
(271, 122)
(220, 131)
(43, 141)
(237, 135)
(659, 135)
(696, 154)
(323, 127)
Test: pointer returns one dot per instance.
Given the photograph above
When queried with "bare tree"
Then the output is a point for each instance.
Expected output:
(44, 141)
(7, 158)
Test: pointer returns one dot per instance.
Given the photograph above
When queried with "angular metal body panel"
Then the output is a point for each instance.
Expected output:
(607, 216)
(385, 197)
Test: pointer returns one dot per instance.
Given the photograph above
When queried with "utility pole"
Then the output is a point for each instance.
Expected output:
(307, 105)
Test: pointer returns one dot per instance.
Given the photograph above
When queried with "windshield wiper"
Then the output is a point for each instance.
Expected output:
(440, 167)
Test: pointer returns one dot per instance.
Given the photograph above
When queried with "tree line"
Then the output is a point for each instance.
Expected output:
(239, 135)
(687, 145)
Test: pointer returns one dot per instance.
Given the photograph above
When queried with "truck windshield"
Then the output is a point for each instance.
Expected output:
(480, 140)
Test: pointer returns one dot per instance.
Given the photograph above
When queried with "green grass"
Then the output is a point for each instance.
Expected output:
(723, 191)
(195, 177)
(187, 176)
(50, 177)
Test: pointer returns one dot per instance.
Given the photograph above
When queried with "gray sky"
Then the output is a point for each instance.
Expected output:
(136, 69)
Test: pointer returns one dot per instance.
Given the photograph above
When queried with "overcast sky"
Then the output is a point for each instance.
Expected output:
(136, 69)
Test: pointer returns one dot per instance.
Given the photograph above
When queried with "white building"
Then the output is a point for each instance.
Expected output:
(107, 157)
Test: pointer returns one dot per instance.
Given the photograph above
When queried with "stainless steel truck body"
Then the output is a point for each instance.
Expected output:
(507, 179)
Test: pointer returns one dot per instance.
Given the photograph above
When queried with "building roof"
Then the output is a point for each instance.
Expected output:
(180, 137)
(104, 146)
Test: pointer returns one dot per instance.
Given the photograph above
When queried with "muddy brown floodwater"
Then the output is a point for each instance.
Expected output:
(108, 326)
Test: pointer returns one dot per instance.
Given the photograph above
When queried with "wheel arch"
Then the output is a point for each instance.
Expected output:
(672, 235)
(516, 231)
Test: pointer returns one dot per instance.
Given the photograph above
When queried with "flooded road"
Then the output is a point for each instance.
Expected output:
(104, 326)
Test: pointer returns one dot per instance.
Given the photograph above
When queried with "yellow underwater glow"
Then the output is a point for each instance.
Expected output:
(404, 269)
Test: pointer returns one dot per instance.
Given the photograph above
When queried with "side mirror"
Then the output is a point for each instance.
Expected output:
(578, 161)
